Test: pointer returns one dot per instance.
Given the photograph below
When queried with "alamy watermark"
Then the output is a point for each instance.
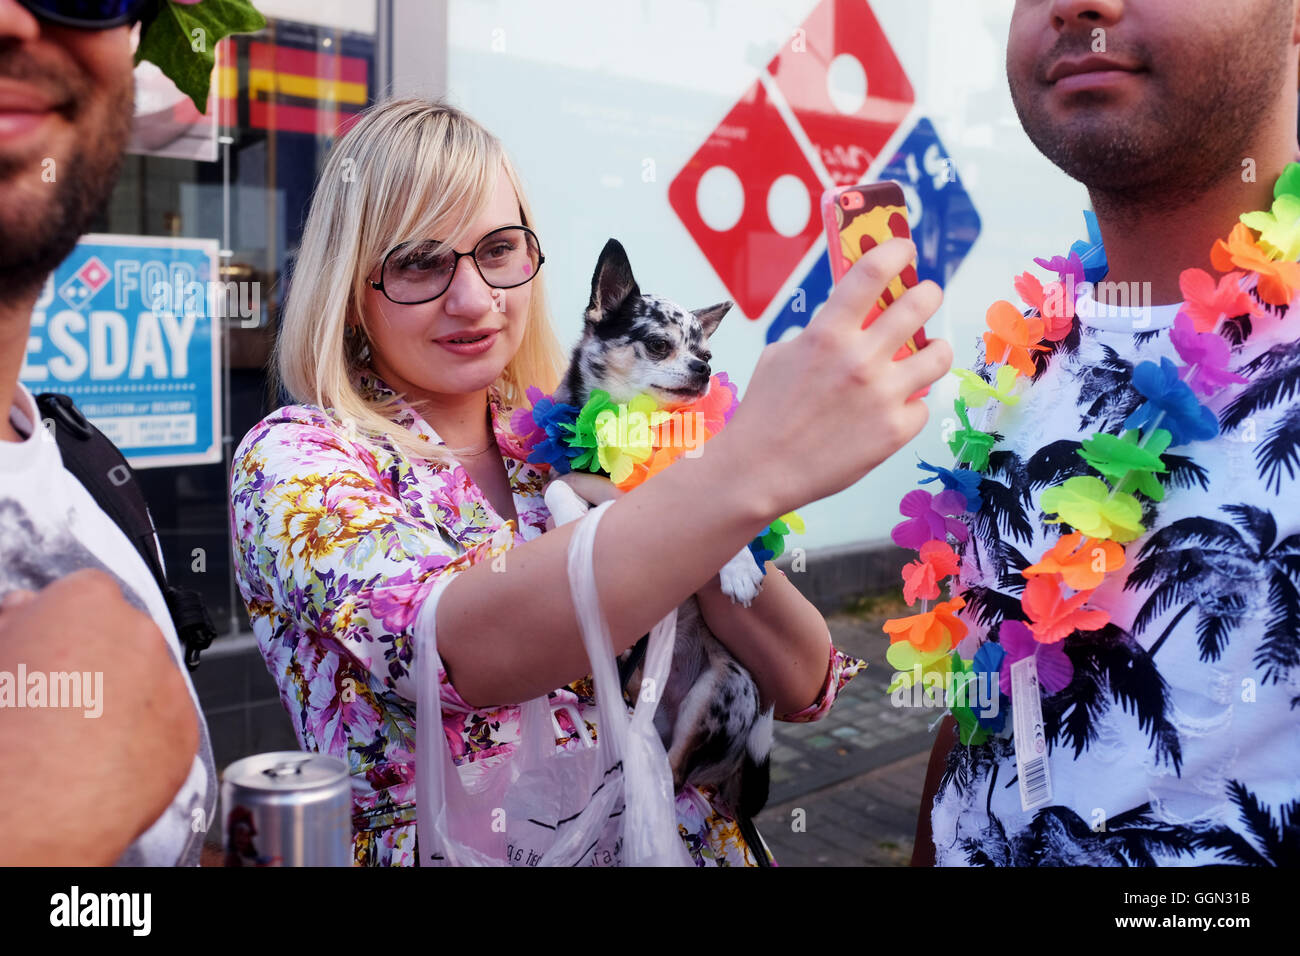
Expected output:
(218, 300)
(628, 428)
(1112, 299)
(980, 691)
(130, 910)
(62, 689)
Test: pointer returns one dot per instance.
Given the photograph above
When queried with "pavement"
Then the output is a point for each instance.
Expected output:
(846, 789)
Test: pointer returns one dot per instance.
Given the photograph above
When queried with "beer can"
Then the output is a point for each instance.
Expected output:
(287, 808)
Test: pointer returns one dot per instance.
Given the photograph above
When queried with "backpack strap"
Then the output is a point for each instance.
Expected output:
(100, 467)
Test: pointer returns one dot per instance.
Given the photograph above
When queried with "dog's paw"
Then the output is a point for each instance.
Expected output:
(741, 578)
(591, 487)
(564, 503)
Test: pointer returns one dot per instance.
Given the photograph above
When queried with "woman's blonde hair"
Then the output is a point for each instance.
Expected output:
(409, 168)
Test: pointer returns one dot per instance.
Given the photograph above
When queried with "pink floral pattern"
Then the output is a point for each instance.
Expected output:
(336, 547)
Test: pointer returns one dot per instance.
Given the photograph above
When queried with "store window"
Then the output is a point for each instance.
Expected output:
(244, 178)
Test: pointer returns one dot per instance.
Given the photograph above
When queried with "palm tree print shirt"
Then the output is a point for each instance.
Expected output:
(1178, 739)
(337, 544)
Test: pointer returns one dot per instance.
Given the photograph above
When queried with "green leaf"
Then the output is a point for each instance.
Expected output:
(182, 40)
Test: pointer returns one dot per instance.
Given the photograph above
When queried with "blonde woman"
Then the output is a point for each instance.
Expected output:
(397, 469)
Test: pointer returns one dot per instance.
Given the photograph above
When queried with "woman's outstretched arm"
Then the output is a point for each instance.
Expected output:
(821, 411)
(782, 640)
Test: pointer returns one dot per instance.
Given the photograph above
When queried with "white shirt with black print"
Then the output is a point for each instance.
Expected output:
(51, 526)
(1178, 740)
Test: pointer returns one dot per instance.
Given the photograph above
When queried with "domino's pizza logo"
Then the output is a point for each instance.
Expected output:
(81, 287)
(820, 114)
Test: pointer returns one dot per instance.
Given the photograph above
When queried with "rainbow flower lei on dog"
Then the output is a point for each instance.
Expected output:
(1103, 511)
(629, 442)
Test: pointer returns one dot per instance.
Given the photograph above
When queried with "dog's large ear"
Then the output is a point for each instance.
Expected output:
(710, 317)
(612, 282)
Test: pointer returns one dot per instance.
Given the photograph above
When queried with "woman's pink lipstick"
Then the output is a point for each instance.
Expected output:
(469, 348)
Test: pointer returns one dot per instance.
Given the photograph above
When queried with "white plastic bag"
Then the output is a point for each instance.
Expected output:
(610, 803)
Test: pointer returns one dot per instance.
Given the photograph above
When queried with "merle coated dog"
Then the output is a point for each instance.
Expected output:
(709, 715)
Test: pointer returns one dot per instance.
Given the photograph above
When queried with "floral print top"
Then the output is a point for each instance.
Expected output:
(336, 546)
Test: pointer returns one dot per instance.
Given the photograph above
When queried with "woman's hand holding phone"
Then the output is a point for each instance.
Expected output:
(856, 220)
(828, 406)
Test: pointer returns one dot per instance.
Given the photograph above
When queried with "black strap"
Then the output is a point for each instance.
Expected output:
(96, 462)
(749, 830)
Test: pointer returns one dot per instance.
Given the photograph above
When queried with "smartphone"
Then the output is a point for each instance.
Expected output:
(859, 218)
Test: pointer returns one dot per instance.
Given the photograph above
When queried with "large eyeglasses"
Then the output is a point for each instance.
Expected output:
(88, 14)
(421, 270)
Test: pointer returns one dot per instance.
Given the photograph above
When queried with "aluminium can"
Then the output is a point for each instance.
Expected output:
(287, 808)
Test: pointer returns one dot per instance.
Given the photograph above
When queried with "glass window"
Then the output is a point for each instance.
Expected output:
(282, 98)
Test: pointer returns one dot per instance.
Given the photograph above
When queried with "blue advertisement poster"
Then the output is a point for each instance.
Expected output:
(125, 326)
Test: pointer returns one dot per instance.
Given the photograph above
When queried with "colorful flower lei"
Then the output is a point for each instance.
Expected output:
(1103, 512)
(630, 441)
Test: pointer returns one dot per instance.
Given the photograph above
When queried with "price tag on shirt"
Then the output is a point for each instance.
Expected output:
(1030, 737)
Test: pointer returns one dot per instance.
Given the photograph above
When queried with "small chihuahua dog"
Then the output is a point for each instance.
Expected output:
(709, 715)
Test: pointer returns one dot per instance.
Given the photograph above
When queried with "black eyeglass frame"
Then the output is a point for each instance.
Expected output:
(451, 277)
(135, 10)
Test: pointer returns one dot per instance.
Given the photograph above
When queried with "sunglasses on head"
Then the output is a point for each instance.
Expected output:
(88, 14)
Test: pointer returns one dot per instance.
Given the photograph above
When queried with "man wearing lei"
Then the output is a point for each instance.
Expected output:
(1107, 579)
